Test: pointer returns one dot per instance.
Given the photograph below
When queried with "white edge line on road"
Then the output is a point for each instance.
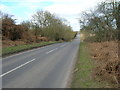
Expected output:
(51, 50)
(17, 67)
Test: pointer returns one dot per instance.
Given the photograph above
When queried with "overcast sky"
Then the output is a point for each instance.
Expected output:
(68, 9)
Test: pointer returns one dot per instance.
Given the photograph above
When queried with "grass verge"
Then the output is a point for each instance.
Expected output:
(15, 49)
(82, 76)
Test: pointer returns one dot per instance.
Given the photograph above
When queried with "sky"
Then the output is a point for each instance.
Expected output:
(67, 9)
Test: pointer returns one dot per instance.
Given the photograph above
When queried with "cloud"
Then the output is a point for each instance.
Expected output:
(71, 9)
(63, 9)
(4, 8)
(68, 9)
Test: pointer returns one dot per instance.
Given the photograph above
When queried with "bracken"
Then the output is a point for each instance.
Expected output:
(107, 61)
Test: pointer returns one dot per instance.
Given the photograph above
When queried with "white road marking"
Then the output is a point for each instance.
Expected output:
(62, 45)
(17, 67)
(51, 50)
(24, 52)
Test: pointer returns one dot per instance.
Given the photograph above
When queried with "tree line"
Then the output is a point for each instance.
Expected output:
(42, 25)
(102, 23)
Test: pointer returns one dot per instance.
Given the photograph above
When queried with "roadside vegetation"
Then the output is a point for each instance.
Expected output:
(105, 56)
(43, 28)
(82, 74)
(15, 49)
(103, 23)
(100, 37)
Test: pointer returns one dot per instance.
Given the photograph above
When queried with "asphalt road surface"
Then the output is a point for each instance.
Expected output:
(45, 67)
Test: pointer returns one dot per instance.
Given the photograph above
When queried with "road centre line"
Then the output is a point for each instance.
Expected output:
(51, 50)
(18, 67)
(63, 45)
(26, 62)
(23, 52)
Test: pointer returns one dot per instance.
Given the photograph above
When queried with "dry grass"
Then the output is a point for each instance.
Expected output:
(9, 43)
(82, 74)
(105, 55)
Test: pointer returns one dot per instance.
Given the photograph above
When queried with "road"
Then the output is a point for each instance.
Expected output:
(45, 67)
